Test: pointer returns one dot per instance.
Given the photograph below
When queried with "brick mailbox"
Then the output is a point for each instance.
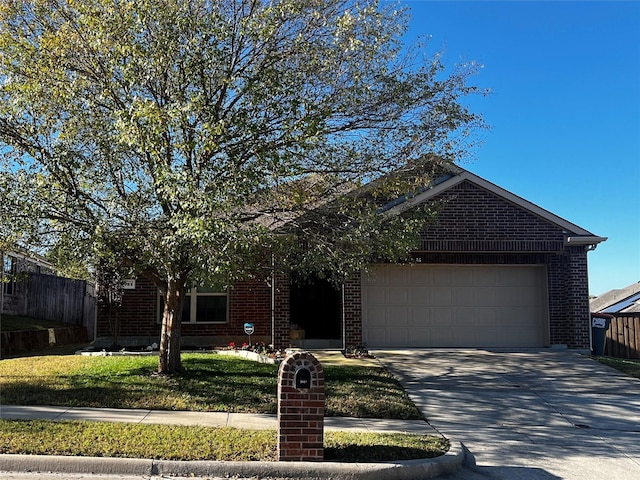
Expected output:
(300, 409)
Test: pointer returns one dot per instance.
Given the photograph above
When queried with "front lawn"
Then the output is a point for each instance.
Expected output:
(211, 383)
(97, 439)
(630, 367)
(12, 323)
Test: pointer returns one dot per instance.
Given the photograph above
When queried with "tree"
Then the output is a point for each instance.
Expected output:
(189, 138)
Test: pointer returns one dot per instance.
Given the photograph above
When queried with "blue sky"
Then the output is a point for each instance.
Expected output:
(564, 110)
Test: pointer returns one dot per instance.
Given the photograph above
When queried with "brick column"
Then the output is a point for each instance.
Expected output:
(578, 298)
(281, 311)
(352, 312)
(301, 401)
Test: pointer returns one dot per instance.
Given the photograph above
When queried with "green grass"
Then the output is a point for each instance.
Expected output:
(12, 323)
(630, 367)
(41, 437)
(211, 383)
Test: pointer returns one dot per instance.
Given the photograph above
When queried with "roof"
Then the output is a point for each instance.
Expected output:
(623, 300)
(574, 234)
(30, 257)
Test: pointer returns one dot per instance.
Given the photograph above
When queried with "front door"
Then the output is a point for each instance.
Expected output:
(316, 308)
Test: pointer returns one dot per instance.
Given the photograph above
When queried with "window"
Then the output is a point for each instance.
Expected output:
(205, 304)
(202, 305)
(9, 272)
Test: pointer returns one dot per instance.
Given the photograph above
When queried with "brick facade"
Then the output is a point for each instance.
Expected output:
(474, 226)
(352, 312)
(140, 315)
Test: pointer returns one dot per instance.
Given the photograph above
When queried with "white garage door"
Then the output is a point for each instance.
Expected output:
(455, 306)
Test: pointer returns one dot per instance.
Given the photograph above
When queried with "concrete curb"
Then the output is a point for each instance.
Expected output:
(406, 470)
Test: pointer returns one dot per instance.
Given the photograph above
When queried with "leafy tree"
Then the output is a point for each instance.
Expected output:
(192, 139)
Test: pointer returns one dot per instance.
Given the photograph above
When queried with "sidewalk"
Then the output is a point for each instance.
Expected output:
(427, 468)
(205, 419)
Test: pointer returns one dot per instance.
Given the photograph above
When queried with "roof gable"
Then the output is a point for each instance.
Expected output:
(574, 234)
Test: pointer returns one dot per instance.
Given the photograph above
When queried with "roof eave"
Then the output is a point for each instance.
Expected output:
(590, 241)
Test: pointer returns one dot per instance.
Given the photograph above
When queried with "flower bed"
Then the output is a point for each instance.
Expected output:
(258, 352)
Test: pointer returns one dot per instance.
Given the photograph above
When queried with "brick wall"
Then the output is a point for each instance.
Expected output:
(281, 311)
(138, 315)
(249, 301)
(352, 312)
(473, 219)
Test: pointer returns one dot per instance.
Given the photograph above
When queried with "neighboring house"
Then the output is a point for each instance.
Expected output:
(15, 266)
(623, 332)
(624, 300)
(493, 270)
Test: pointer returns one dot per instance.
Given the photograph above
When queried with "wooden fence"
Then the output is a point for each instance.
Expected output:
(623, 337)
(59, 299)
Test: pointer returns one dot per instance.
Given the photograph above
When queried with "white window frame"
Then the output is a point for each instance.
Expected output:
(192, 297)
(9, 274)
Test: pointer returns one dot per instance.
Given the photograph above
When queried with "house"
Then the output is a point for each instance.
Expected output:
(493, 270)
(17, 264)
(624, 300)
(623, 332)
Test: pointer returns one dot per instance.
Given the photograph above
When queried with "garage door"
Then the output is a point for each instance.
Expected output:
(455, 306)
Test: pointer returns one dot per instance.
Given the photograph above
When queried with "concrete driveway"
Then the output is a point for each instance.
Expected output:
(527, 415)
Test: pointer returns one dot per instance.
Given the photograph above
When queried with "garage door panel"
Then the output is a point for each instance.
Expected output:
(462, 316)
(375, 295)
(484, 277)
(485, 296)
(376, 317)
(455, 306)
(398, 316)
(376, 336)
(398, 336)
(462, 277)
(442, 338)
(397, 276)
(441, 296)
(420, 276)
(463, 295)
(397, 295)
(419, 295)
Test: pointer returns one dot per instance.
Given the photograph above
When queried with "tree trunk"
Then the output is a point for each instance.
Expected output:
(170, 361)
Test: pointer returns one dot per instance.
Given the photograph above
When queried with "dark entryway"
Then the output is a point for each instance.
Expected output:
(316, 309)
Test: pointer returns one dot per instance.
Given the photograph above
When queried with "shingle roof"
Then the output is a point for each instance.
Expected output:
(624, 300)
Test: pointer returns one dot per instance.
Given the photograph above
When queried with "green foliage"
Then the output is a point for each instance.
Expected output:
(211, 383)
(187, 139)
(628, 366)
(171, 442)
(377, 447)
(349, 390)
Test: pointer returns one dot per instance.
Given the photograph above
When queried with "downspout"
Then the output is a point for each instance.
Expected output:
(273, 302)
(1, 285)
(344, 323)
